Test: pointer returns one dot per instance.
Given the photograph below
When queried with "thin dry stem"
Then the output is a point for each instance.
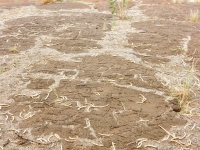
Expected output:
(194, 15)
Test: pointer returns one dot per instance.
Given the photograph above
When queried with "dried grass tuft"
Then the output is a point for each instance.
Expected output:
(194, 15)
(177, 1)
(183, 91)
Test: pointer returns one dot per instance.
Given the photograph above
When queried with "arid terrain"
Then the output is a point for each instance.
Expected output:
(74, 76)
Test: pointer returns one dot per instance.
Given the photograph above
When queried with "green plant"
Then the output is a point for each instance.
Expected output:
(113, 6)
(194, 15)
(119, 7)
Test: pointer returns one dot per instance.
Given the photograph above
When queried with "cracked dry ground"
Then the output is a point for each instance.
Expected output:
(75, 77)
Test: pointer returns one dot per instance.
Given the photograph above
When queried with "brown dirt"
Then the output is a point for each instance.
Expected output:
(73, 78)
(14, 1)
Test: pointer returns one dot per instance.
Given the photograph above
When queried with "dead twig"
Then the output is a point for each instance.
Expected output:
(37, 142)
(143, 99)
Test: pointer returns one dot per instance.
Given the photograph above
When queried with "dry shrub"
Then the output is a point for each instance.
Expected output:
(48, 1)
(194, 15)
(184, 90)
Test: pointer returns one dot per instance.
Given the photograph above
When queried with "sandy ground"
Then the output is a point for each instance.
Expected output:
(73, 76)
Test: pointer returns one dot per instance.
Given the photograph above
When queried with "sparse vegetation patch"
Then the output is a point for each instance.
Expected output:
(184, 89)
(119, 7)
(194, 15)
(177, 1)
